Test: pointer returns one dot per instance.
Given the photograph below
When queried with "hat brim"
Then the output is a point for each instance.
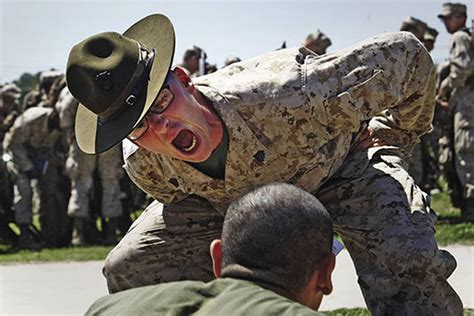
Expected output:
(154, 32)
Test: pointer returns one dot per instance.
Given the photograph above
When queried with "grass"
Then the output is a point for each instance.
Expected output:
(9, 255)
(365, 312)
(449, 228)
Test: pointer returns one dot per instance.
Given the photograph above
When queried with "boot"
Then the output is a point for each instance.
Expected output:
(78, 237)
(111, 231)
(467, 210)
(26, 240)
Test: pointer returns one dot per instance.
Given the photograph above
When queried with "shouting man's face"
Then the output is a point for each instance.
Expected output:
(178, 125)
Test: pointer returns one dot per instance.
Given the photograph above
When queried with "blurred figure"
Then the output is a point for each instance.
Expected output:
(429, 38)
(194, 61)
(458, 90)
(29, 144)
(414, 26)
(318, 42)
(39, 95)
(422, 162)
(9, 105)
(80, 169)
(231, 60)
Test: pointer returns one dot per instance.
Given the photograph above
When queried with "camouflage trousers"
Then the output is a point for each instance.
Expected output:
(383, 217)
(464, 140)
(80, 169)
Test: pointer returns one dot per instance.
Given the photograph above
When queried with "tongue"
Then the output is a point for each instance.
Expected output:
(184, 139)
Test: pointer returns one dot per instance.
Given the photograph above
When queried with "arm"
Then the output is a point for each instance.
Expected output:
(460, 61)
(389, 80)
(14, 143)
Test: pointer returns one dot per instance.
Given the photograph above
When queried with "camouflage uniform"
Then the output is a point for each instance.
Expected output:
(293, 116)
(80, 168)
(461, 84)
(30, 144)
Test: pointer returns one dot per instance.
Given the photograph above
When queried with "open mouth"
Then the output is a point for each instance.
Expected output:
(185, 141)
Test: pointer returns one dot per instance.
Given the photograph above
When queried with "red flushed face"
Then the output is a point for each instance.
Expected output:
(186, 129)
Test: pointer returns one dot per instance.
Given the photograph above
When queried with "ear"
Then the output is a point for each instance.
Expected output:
(184, 78)
(216, 255)
(324, 281)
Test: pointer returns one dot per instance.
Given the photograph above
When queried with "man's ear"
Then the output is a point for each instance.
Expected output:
(324, 282)
(184, 78)
(216, 254)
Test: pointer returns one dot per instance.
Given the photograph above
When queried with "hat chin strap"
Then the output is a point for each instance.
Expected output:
(132, 90)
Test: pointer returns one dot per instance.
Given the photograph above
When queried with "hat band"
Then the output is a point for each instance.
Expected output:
(133, 88)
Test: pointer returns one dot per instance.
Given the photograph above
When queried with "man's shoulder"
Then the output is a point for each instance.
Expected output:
(462, 35)
(225, 296)
(31, 116)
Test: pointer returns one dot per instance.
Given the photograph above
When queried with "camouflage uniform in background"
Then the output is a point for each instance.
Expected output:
(296, 117)
(30, 143)
(9, 107)
(422, 164)
(80, 169)
(318, 42)
(461, 80)
(40, 95)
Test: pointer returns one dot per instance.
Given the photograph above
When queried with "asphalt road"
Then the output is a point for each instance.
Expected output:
(69, 288)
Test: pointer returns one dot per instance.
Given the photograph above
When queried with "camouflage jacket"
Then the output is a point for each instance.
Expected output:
(292, 116)
(30, 138)
(461, 59)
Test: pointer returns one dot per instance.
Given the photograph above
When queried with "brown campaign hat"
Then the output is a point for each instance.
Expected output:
(452, 9)
(116, 77)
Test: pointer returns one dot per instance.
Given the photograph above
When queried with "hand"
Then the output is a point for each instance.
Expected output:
(443, 104)
(443, 90)
(368, 139)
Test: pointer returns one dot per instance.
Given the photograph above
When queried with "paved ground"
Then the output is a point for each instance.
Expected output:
(69, 288)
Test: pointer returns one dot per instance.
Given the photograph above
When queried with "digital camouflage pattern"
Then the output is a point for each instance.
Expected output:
(80, 167)
(293, 116)
(30, 144)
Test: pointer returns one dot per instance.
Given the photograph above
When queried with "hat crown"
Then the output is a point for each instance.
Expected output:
(450, 8)
(100, 67)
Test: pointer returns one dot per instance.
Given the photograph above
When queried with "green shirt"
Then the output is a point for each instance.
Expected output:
(225, 296)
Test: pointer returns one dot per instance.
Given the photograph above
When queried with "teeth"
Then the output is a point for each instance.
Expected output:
(193, 144)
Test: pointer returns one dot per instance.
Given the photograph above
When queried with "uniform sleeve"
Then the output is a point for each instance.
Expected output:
(15, 141)
(144, 170)
(460, 60)
(389, 80)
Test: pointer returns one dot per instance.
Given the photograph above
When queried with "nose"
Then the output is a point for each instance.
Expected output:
(159, 123)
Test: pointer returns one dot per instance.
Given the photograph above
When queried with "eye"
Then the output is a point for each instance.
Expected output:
(139, 130)
(164, 99)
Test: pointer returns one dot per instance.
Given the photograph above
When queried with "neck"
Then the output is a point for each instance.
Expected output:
(217, 126)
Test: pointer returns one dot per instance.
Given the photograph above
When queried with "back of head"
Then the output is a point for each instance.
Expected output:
(276, 236)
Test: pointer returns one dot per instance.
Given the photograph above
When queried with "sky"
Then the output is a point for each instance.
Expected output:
(37, 35)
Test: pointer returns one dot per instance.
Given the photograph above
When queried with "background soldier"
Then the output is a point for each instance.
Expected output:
(9, 107)
(80, 169)
(458, 89)
(39, 95)
(231, 60)
(30, 143)
(318, 42)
